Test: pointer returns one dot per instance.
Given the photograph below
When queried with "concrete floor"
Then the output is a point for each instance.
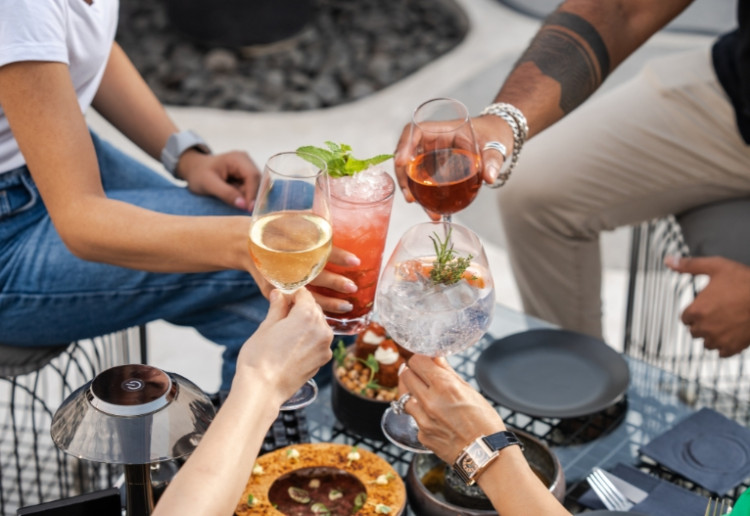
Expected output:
(472, 73)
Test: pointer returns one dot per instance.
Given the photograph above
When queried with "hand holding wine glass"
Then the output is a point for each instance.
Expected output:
(444, 170)
(290, 234)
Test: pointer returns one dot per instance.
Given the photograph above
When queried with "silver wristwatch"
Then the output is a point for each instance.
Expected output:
(177, 144)
(480, 453)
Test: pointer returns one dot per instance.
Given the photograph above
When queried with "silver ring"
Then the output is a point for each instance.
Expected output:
(398, 406)
(499, 147)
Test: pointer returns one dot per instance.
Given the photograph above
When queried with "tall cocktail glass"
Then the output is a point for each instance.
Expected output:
(360, 213)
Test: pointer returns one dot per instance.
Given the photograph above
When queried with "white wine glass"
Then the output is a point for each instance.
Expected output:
(444, 173)
(290, 233)
(436, 297)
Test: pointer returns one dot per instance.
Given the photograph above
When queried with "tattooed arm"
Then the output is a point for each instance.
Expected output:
(576, 48)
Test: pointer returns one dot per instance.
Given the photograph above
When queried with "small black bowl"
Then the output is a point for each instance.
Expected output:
(356, 412)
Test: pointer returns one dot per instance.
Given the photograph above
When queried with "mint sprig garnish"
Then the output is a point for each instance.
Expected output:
(339, 159)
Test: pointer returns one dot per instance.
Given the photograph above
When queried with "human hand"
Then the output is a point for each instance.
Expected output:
(289, 346)
(337, 282)
(720, 313)
(231, 177)
(492, 128)
(450, 413)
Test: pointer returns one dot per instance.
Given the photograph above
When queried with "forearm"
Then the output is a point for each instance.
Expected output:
(126, 101)
(110, 231)
(514, 489)
(212, 480)
(573, 52)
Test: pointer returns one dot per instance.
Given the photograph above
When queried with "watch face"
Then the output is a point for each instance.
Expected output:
(478, 453)
(468, 465)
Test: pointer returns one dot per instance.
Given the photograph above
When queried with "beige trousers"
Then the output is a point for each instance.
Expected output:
(662, 143)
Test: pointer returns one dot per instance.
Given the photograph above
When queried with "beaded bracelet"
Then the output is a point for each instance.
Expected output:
(517, 122)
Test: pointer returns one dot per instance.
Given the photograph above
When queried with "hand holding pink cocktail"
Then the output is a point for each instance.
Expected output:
(360, 207)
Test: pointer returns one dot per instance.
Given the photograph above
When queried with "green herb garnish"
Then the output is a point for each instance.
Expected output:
(373, 366)
(448, 268)
(339, 159)
(339, 353)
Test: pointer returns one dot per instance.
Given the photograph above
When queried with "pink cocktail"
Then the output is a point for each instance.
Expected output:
(360, 212)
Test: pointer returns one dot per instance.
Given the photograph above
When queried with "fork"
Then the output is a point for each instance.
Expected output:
(714, 508)
(610, 496)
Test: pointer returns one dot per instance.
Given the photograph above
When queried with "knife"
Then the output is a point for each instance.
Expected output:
(631, 492)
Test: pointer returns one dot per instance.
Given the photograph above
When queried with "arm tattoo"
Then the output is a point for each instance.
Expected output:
(580, 69)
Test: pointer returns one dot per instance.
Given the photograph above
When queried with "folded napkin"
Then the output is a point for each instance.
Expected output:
(664, 498)
(706, 448)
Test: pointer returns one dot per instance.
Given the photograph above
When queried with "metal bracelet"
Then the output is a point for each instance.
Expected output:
(518, 138)
(523, 126)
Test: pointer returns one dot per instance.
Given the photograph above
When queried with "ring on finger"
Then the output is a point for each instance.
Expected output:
(400, 404)
(499, 147)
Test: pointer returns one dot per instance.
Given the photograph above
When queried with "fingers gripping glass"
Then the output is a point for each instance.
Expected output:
(430, 306)
(445, 165)
(290, 234)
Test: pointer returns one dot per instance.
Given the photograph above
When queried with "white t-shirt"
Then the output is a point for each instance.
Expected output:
(66, 31)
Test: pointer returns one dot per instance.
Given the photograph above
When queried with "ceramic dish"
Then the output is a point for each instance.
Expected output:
(321, 477)
(552, 373)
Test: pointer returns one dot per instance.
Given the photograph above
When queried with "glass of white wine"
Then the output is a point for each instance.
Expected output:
(290, 234)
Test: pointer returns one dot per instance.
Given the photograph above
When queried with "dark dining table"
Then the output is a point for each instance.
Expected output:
(655, 400)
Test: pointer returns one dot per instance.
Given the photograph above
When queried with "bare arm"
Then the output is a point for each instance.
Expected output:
(570, 56)
(575, 49)
(451, 414)
(289, 346)
(41, 106)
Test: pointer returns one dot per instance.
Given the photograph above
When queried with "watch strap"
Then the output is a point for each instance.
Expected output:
(500, 440)
(176, 146)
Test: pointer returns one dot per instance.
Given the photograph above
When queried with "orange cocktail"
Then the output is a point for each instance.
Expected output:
(360, 212)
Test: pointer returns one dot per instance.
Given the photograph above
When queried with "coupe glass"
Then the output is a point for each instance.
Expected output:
(290, 234)
(445, 166)
(432, 319)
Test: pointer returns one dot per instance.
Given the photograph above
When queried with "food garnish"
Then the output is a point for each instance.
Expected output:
(353, 455)
(319, 508)
(359, 502)
(383, 480)
(299, 495)
(448, 268)
(382, 509)
(339, 159)
(335, 494)
(257, 469)
(314, 483)
(251, 500)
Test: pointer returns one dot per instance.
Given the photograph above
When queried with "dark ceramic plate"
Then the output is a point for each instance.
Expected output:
(552, 373)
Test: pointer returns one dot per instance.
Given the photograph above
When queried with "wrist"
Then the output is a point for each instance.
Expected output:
(177, 144)
(477, 456)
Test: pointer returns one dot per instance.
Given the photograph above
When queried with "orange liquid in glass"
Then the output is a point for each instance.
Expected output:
(445, 181)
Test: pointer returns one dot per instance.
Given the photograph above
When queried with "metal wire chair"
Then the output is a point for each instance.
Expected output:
(653, 330)
(33, 384)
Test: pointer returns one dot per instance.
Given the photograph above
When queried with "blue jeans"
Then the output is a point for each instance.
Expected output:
(48, 296)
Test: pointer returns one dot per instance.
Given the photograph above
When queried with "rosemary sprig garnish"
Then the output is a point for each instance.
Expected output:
(448, 268)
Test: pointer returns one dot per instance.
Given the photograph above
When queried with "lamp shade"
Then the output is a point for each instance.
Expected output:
(132, 414)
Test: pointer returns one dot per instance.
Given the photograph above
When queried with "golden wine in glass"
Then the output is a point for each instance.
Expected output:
(290, 235)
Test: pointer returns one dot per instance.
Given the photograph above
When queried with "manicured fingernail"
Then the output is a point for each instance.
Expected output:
(240, 203)
(494, 172)
(345, 306)
(350, 287)
(401, 368)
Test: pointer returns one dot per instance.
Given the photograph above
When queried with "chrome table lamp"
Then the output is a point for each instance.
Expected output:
(134, 415)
